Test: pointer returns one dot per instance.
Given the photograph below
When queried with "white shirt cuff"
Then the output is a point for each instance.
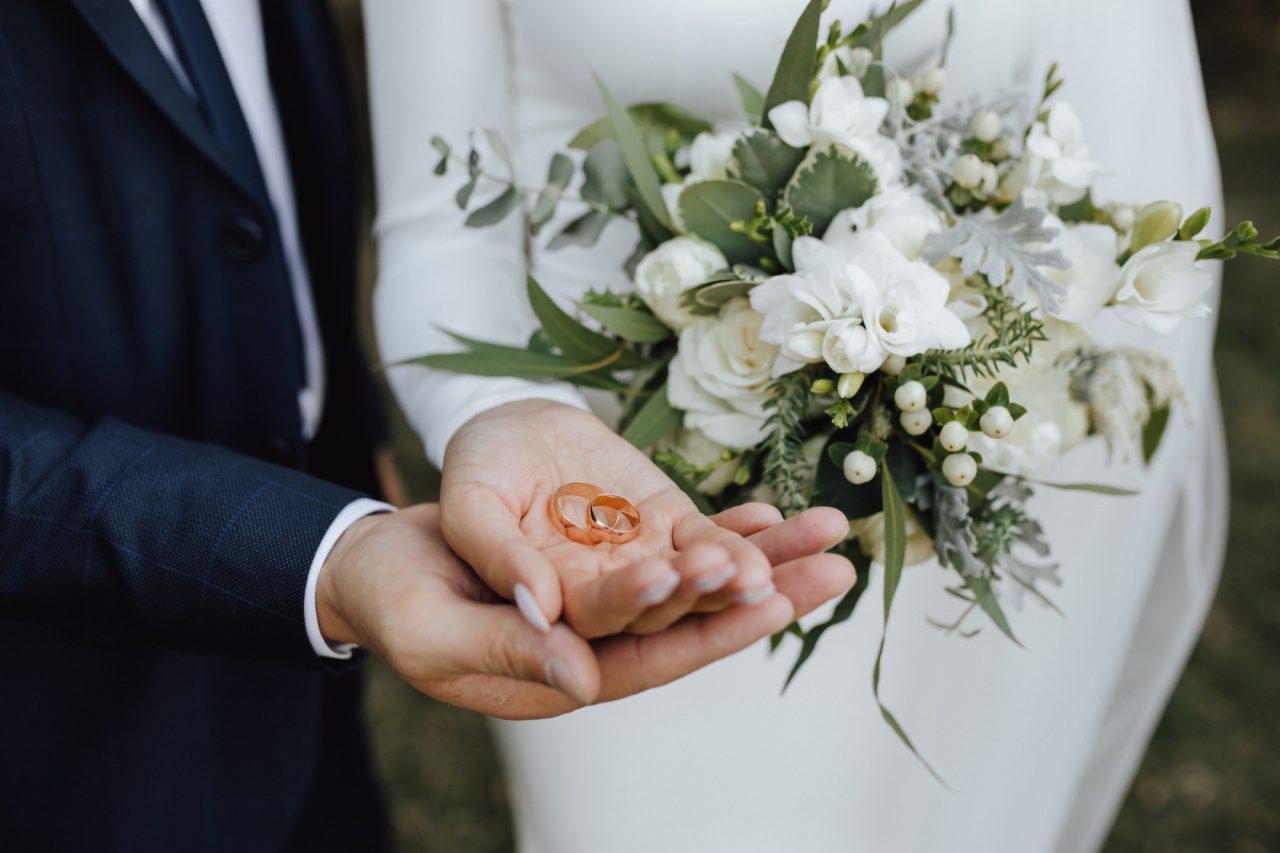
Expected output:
(350, 514)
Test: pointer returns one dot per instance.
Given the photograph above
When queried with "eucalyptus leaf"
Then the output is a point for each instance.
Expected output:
(559, 174)
(495, 211)
(843, 610)
(828, 181)
(576, 341)
(636, 155)
(710, 298)
(652, 120)
(605, 175)
(499, 146)
(709, 207)
(583, 231)
(763, 160)
(628, 323)
(796, 65)
(655, 419)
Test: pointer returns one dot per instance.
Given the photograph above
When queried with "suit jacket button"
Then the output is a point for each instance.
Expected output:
(244, 239)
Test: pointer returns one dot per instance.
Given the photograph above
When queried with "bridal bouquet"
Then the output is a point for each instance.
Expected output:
(866, 299)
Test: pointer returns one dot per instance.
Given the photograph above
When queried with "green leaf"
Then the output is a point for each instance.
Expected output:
(838, 450)
(763, 160)
(1095, 488)
(583, 231)
(828, 181)
(651, 120)
(844, 609)
(605, 175)
(576, 341)
(653, 421)
(751, 98)
(1153, 431)
(708, 299)
(986, 598)
(559, 174)
(499, 147)
(782, 247)
(628, 323)
(708, 208)
(796, 65)
(636, 155)
(496, 210)
(501, 361)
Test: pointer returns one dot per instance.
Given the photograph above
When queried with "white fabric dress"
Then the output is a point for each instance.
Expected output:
(1040, 743)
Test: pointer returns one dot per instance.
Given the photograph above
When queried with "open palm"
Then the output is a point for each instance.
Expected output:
(500, 473)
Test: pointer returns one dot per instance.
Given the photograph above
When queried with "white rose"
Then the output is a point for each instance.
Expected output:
(840, 114)
(901, 216)
(1161, 285)
(701, 452)
(663, 276)
(1055, 421)
(1093, 276)
(720, 376)
(1059, 157)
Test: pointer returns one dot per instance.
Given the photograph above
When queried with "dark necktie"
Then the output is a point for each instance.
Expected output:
(198, 51)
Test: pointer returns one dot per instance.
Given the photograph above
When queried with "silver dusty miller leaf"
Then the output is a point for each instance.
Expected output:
(1008, 248)
(954, 539)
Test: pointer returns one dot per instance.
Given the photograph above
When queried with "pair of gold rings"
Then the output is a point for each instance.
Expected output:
(606, 517)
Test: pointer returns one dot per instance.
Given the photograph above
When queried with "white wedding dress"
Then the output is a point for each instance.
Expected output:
(1039, 743)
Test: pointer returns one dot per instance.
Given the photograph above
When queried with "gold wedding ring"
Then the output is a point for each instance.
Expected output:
(604, 517)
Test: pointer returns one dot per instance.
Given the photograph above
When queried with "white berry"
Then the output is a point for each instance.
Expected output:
(1123, 217)
(967, 171)
(959, 469)
(997, 422)
(986, 126)
(917, 422)
(990, 179)
(860, 59)
(911, 396)
(954, 436)
(859, 468)
(933, 80)
(900, 91)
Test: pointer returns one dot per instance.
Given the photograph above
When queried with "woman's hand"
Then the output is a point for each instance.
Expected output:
(500, 473)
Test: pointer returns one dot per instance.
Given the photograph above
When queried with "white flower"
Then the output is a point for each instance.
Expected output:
(1161, 285)
(900, 215)
(720, 376)
(854, 306)
(663, 276)
(1055, 421)
(841, 114)
(856, 61)
(709, 156)
(1059, 159)
(869, 532)
(1093, 276)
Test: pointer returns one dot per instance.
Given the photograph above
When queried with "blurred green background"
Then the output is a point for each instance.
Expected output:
(1211, 779)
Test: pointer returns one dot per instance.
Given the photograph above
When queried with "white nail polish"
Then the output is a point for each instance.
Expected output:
(755, 596)
(660, 590)
(716, 581)
(528, 607)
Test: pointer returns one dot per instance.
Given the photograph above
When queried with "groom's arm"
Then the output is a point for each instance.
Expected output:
(119, 534)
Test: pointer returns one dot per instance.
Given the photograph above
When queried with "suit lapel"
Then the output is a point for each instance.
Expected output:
(126, 38)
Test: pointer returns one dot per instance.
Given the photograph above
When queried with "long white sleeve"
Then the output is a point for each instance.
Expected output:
(441, 67)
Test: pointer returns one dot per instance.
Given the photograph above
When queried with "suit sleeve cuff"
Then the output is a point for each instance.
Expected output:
(349, 515)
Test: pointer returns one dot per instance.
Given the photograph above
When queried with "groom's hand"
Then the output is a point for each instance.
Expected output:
(393, 586)
(500, 473)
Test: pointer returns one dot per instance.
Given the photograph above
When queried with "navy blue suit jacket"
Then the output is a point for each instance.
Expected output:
(159, 508)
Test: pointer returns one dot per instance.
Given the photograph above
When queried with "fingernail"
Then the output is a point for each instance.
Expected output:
(755, 596)
(715, 581)
(660, 590)
(528, 607)
(561, 678)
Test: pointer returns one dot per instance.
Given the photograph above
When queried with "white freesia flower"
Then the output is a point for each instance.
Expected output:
(663, 276)
(720, 376)
(900, 215)
(1055, 421)
(840, 114)
(709, 156)
(1093, 277)
(854, 306)
(1161, 285)
(1061, 165)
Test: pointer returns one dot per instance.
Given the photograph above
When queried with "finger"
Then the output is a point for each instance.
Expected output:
(704, 568)
(748, 519)
(751, 584)
(810, 581)
(480, 639)
(630, 664)
(603, 605)
(484, 530)
(811, 532)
